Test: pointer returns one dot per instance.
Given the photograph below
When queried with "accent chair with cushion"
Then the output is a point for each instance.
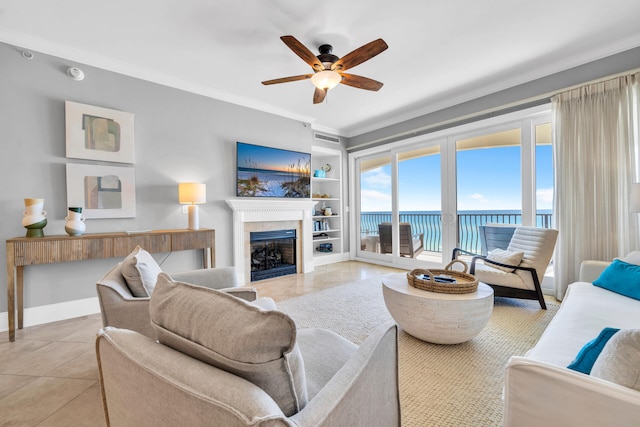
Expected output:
(124, 291)
(223, 361)
(410, 245)
(517, 271)
(495, 236)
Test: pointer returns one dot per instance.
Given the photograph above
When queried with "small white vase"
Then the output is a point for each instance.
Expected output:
(75, 225)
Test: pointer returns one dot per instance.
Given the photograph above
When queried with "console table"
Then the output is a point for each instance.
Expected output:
(23, 251)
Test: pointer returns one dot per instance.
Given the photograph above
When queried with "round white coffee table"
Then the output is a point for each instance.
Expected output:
(437, 317)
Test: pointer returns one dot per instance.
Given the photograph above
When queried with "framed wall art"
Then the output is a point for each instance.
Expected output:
(272, 172)
(97, 133)
(102, 191)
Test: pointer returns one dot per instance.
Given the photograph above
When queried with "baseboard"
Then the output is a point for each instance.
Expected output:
(54, 312)
(330, 259)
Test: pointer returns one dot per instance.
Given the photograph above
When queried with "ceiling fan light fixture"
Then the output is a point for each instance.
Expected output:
(326, 79)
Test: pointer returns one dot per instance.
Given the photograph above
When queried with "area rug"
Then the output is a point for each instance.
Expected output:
(440, 385)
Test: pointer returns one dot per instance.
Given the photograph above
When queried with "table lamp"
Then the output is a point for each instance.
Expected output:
(192, 194)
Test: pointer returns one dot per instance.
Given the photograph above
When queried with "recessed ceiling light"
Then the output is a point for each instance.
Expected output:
(26, 54)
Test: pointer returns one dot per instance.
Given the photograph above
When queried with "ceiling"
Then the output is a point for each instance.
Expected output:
(440, 53)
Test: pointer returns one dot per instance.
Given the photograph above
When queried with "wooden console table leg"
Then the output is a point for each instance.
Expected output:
(11, 313)
(20, 294)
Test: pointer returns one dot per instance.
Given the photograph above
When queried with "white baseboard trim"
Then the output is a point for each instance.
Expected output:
(54, 312)
(330, 259)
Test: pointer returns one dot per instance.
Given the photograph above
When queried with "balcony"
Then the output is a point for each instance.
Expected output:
(430, 225)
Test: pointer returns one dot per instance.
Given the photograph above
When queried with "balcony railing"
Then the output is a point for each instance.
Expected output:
(429, 224)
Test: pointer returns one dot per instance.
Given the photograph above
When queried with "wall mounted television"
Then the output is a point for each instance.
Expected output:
(272, 172)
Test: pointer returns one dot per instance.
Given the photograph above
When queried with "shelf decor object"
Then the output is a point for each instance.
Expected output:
(74, 225)
(192, 194)
(35, 218)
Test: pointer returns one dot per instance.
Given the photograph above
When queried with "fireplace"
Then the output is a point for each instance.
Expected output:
(273, 253)
(251, 215)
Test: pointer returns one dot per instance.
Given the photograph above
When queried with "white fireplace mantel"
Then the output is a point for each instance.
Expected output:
(263, 210)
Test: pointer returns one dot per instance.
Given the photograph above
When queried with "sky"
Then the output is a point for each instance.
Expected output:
(260, 157)
(487, 179)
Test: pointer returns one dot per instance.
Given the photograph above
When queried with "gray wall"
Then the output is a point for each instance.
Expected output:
(515, 98)
(179, 136)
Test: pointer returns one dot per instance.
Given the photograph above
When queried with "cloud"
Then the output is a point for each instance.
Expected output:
(377, 178)
(479, 198)
(375, 201)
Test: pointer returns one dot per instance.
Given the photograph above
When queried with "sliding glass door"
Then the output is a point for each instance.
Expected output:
(488, 184)
(420, 203)
(374, 180)
(418, 200)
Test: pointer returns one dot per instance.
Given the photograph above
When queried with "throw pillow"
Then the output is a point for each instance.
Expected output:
(632, 258)
(233, 335)
(588, 355)
(140, 271)
(622, 278)
(619, 361)
(505, 257)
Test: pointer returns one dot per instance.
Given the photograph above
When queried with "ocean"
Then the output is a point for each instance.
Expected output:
(428, 223)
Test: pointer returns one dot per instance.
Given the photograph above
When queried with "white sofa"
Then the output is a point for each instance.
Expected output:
(541, 391)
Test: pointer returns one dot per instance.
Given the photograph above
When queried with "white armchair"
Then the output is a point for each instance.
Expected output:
(226, 362)
(523, 279)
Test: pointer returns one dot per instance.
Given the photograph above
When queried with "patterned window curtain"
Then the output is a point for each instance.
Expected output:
(595, 142)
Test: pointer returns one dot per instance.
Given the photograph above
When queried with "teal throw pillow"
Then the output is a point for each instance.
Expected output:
(589, 353)
(622, 278)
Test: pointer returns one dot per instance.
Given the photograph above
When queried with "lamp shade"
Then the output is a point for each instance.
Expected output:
(326, 79)
(634, 198)
(191, 193)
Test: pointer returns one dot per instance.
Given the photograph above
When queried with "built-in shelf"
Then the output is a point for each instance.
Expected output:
(330, 190)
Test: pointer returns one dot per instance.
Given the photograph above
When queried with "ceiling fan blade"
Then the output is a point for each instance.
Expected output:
(319, 95)
(361, 54)
(302, 51)
(287, 79)
(360, 82)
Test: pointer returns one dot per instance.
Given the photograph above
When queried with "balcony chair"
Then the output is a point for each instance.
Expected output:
(123, 293)
(410, 245)
(494, 236)
(517, 271)
(223, 361)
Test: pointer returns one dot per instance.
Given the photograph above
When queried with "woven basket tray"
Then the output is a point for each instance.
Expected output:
(465, 283)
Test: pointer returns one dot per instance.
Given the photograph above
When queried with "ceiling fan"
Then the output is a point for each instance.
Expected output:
(329, 69)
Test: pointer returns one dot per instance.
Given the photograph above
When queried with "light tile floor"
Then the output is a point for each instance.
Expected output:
(49, 375)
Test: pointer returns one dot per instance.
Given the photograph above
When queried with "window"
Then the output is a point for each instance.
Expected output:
(447, 183)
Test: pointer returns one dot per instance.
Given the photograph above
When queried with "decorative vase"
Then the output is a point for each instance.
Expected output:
(75, 225)
(35, 218)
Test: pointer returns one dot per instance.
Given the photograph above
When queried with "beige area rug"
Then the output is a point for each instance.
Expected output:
(440, 385)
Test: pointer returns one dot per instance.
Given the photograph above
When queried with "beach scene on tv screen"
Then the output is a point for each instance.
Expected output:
(272, 172)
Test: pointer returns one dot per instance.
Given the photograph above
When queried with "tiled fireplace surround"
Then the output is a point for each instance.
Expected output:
(267, 215)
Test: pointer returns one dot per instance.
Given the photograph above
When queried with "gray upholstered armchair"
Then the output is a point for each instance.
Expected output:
(125, 305)
(222, 361)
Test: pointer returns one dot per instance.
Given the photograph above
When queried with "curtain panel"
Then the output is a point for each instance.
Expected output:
(595, 139)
